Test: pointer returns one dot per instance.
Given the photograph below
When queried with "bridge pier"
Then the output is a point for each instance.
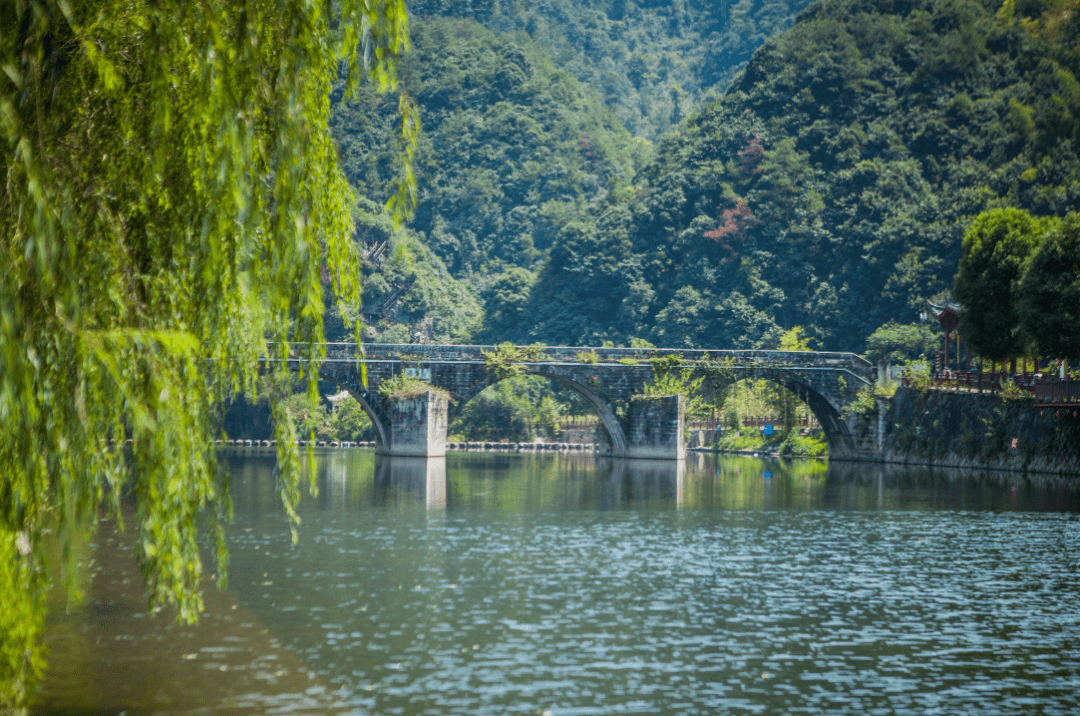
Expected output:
(656, 428)
(417, 425)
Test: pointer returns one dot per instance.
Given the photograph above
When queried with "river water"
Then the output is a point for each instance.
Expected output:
(569, 585)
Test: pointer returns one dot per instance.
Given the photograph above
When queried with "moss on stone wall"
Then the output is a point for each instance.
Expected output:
(986, 431)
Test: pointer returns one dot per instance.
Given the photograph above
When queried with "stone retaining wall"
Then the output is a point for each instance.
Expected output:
(985, 431)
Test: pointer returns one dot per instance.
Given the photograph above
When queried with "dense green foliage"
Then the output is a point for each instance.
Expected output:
(902, 342)
(987, 284)
(785, 444)
(1049, 298)
(348, 421)
(409, 295)
(651, 61)
(345, 420)
(171, 192)
(1019, 283)
(517, 409)
(511, 148)
(830, 187)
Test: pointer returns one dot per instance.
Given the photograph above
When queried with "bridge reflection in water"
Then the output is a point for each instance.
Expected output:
(408, 480)
(354, 479)
(404, 479)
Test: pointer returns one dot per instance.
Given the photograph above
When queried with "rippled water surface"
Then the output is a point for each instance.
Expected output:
(515, 584)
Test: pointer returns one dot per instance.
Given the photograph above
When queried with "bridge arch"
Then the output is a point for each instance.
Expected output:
(381, 438)
(604, 411)
(838, 435)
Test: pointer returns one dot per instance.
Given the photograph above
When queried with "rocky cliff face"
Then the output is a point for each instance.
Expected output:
(980, 431)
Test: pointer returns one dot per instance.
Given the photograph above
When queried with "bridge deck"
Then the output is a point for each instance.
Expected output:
(435, 353)
(539, 356)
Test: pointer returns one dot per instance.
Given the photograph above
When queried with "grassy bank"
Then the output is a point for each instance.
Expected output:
(791, 445)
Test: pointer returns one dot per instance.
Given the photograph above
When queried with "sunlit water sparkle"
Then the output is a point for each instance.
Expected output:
(571, 586)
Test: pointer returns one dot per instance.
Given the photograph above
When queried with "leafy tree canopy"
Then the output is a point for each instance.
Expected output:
(408, 290)
(996, 247)
(516, 409)
(171, 192)
(511, 148)
(652, 62)
(792, 340)
(1049, 297)
(900, 342)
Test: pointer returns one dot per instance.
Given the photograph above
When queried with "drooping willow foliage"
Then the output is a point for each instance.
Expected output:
(171, 205)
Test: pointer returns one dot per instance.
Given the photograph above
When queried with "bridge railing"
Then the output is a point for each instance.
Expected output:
(590, 354)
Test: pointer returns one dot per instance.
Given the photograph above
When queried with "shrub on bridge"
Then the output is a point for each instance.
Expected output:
(504, 360)
(402, 387)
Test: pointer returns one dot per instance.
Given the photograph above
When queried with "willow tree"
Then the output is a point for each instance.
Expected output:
(171, 205)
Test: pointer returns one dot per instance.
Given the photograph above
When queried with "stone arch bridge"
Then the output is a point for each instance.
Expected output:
(611, 380)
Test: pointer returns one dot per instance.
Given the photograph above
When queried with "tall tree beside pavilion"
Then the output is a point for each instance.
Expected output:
(1049, 296)
(996, 246)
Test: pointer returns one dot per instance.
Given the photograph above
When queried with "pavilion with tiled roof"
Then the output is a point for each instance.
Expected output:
(948, 317)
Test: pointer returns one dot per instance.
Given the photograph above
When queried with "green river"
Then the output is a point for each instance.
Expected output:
(568, 585)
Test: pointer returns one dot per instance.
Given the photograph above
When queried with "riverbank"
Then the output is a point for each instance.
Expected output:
(755, 443)
(983, 431)
(762, 449)
(455, 446)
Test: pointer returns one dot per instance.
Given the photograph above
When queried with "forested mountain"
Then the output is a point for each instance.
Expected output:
(830, 186)
(651, 61)
(511, 149)
(407, 288)
(514, 146)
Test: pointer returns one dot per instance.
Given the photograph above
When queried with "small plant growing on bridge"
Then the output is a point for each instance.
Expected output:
(672, 384)
(864, 403)
(665, 364)
(505, 360)
(628, 361)
(588, 357)
(402, 386)
(670, 378)
(534, 352)
(918, 375)
(1011, 391)
(721, 370)
(886, 391)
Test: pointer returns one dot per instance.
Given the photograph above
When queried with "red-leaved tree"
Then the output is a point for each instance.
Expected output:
(736, 221)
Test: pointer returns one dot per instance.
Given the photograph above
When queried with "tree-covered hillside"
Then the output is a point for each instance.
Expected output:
(831, 186)
(651, 61)
(407, 288)
(511, 149)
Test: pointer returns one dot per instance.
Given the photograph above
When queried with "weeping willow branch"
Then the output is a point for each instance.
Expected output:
(170, 199)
